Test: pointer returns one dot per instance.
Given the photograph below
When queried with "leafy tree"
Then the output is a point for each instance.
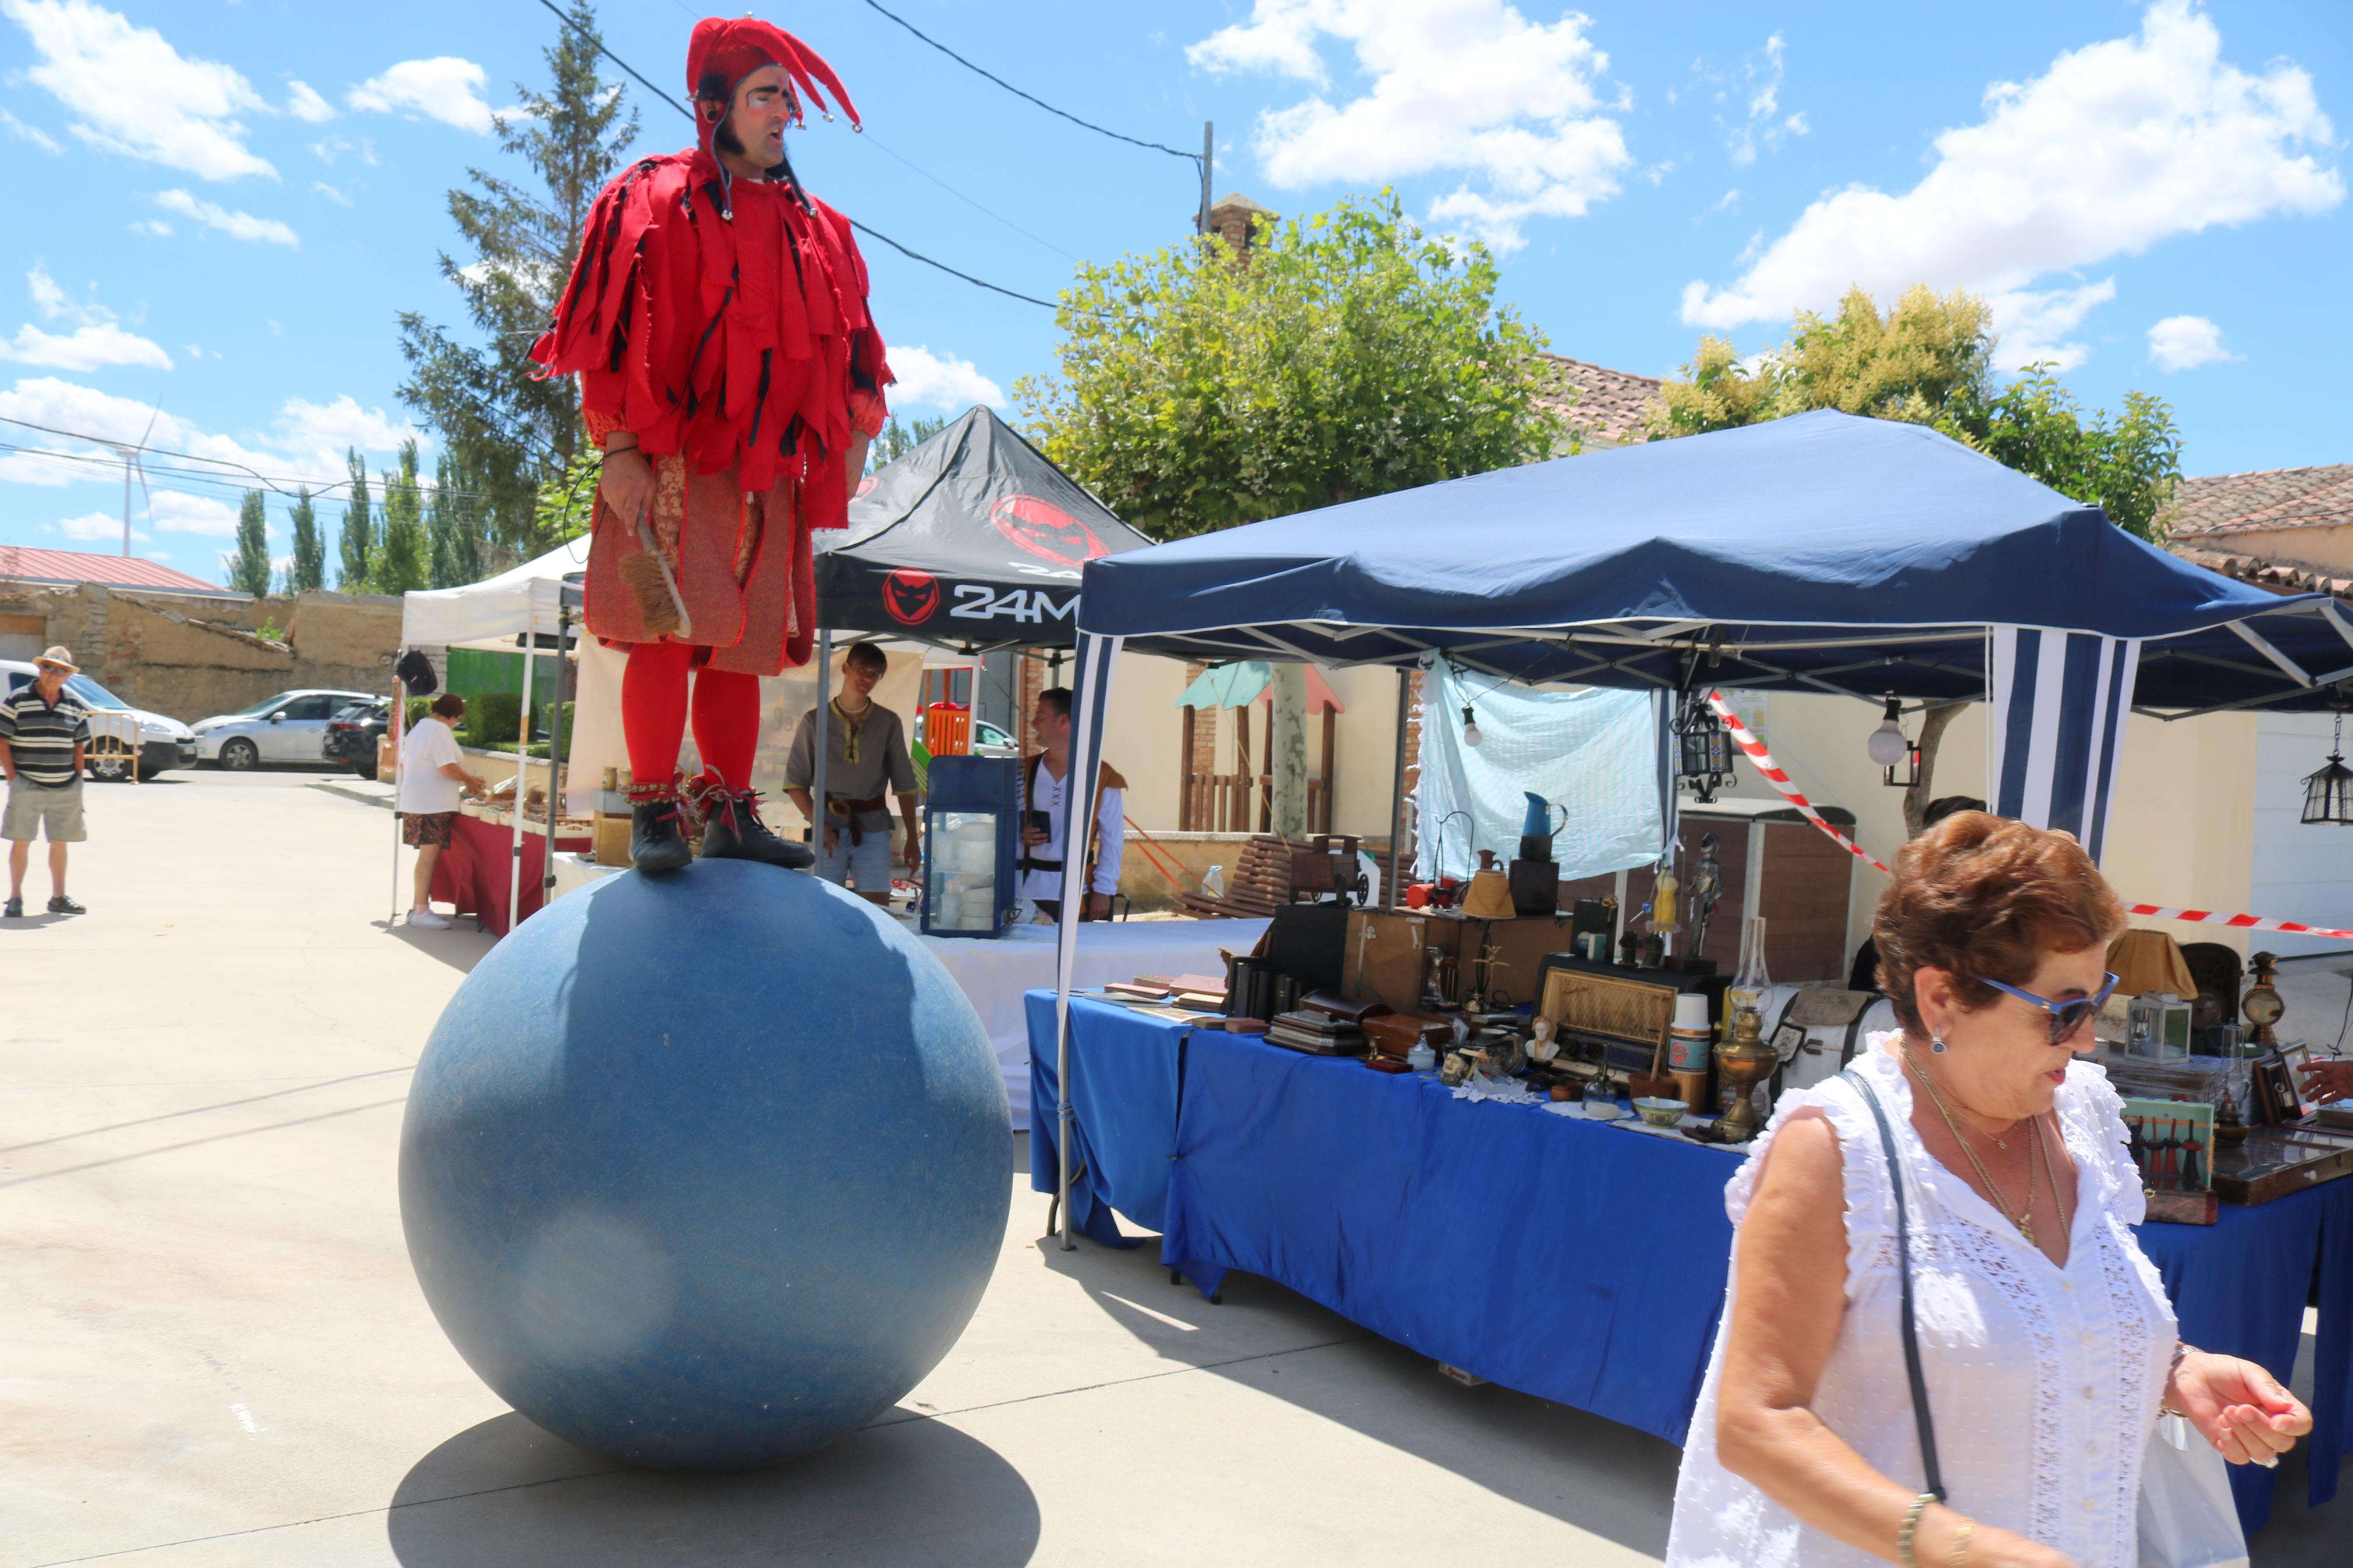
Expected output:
(404, 560)
(356, 543)
(511, 434)
(249, 569)
(897, 440)
(453, 525)
(1350, 355)
(567, 503)
(1930, 361)
(309, 569)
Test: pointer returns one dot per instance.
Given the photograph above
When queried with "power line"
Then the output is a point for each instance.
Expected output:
(1033, 98)
(598, 45)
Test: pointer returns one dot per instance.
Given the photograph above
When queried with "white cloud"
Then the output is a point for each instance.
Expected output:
(92, 525)
(2117, 146)
(307, 441)
(151, 225)
(927, 380)
(129, 91)
(83, 349)
(33, 134)
(235, 225)
(97, 341)
(303, 102)
(158, 555)
(2185, 343)
(1465, 86)
(331, 194)
(1762, 123)
(446, 89)
(2032, 325)
(176, 512)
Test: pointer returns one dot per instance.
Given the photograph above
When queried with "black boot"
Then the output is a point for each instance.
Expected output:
(656, 836)
(734, 831)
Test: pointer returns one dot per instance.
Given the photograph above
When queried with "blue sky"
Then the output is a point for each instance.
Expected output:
(219, 208)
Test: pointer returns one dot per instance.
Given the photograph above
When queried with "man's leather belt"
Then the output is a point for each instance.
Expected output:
(850, 810)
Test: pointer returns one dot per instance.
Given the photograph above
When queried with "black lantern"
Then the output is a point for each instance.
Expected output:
(1704, 749)
(2329, 794)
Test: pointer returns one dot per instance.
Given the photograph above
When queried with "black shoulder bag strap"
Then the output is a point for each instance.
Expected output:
(1926, 1428)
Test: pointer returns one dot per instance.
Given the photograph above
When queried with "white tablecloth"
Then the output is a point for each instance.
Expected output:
(994, 974)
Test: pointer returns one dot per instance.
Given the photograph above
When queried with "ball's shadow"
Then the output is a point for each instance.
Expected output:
(907, 1493)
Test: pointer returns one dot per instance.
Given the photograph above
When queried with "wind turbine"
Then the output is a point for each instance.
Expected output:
(130, 463)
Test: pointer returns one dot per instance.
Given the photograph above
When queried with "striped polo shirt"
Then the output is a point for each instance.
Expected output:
(40, 736)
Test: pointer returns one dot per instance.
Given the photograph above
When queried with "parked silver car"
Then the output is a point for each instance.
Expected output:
(288, 727)
(163, 742)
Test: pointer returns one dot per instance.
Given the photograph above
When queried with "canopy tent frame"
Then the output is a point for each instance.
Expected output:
(1678, 548)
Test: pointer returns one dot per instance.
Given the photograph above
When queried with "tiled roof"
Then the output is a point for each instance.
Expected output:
(1604, 406)
(2279, 577)
(27, 564)
(2273, 497)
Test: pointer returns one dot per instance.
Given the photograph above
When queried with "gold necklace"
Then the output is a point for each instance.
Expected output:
(2024, 1221)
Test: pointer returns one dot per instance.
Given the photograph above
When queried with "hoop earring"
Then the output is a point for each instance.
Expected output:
(1936, 1042)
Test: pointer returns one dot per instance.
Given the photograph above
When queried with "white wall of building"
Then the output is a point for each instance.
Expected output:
(2299, 873)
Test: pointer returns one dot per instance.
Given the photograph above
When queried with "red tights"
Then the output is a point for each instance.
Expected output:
(654, 715)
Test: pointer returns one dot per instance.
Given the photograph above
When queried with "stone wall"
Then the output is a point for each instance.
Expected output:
(191, 656)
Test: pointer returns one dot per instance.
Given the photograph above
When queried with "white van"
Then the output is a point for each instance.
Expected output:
(162, 743)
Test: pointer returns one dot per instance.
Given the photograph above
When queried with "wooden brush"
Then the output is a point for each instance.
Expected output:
(647, 577)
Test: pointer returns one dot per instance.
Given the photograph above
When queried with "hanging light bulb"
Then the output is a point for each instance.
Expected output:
(1887, 745)
(1470, 728)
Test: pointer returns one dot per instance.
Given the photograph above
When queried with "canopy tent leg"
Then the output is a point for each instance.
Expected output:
(1396, 793)
(1096, 658)
(2056, 728)
(392, 727)
(821, 744)
(555, 756)
(522, 755)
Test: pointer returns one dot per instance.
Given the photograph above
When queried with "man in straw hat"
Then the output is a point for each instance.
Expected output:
(44, 730)
(730, 370)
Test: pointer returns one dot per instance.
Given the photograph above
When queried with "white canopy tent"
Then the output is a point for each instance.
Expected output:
(522, 610)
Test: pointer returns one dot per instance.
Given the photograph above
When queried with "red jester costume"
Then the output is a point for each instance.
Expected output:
(717, 320)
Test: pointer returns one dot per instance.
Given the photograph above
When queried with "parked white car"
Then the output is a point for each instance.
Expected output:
(289, 728)
(162, 743)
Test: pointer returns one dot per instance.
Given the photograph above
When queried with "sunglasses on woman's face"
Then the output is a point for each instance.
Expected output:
(2067, 1016)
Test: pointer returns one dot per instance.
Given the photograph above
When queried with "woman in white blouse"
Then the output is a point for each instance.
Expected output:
(2046, 1341)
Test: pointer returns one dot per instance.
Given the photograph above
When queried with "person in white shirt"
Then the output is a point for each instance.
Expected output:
(433, 779)
(1045, 799)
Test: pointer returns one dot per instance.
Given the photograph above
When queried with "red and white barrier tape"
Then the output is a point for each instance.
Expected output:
(1780, 779)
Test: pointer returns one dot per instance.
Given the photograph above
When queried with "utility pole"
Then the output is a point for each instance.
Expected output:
(126, 504)
(1208, 163)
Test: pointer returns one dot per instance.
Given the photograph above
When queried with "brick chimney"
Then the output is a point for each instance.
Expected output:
(1231, 217)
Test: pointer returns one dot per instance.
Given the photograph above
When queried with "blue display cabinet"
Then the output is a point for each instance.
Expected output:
(972, 840)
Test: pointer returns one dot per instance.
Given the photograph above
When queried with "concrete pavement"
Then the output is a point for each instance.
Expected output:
(212, 1351)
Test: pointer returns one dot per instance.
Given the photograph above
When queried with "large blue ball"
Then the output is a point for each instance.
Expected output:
(704, 1171)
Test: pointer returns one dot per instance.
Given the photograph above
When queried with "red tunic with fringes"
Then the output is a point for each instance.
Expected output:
(725, 325)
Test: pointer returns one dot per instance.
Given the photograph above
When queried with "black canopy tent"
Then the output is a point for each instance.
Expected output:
(974, 541)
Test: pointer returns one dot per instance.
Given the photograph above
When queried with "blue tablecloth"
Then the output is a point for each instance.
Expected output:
(1575, 1261)
(1125, 1068)
(2239, 1287)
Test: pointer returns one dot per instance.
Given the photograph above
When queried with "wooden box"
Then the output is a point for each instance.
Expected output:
(1384, 954)
(2276, 1160)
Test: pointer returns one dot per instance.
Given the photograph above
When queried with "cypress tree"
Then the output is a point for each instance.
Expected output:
(357, 540)
(249, 569)
(310, 568)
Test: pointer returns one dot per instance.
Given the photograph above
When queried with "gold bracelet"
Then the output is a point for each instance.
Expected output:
(1960, 1554)
(1911, 1525)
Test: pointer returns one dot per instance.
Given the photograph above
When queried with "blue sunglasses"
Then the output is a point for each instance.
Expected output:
(2067, 1016)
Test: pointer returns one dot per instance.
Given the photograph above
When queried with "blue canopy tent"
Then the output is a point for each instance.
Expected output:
(1820, 552)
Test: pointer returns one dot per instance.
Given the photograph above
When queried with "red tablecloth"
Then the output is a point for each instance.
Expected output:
(473, 872)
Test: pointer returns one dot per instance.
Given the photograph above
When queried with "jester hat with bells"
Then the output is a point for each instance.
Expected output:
(722, 52)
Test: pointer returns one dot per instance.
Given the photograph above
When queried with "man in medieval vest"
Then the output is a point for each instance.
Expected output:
(729, 368)
(1047, 838)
